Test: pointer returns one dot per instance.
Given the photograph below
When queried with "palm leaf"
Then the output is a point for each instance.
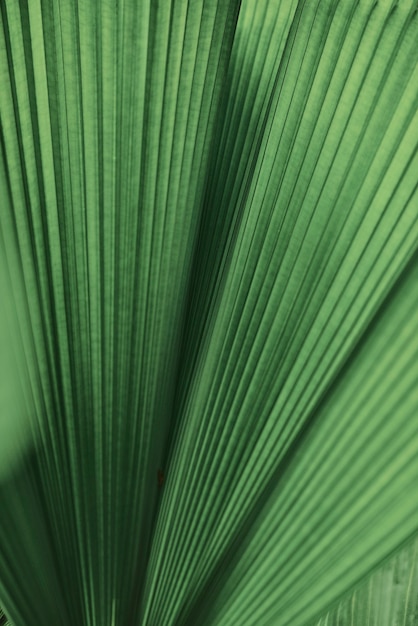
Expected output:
(209, 242)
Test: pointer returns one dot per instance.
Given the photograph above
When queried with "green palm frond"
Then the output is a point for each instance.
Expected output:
(209, 246)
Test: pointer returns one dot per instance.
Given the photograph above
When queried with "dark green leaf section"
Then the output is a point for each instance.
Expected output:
(3, 620)
(107, 113)
(208, 246)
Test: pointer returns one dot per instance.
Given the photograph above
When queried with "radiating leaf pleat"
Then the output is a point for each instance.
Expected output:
(3, 619)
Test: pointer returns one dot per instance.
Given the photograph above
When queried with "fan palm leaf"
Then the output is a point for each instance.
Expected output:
(209, 265)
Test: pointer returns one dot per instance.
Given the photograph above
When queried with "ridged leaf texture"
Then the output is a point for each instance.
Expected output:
(209, 330)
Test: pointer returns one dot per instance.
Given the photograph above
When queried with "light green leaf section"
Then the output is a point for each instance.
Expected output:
(211, 214)
(345, 496)
(322, 228)
(388, 598)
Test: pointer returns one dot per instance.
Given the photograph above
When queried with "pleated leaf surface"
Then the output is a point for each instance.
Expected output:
(209, 238)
